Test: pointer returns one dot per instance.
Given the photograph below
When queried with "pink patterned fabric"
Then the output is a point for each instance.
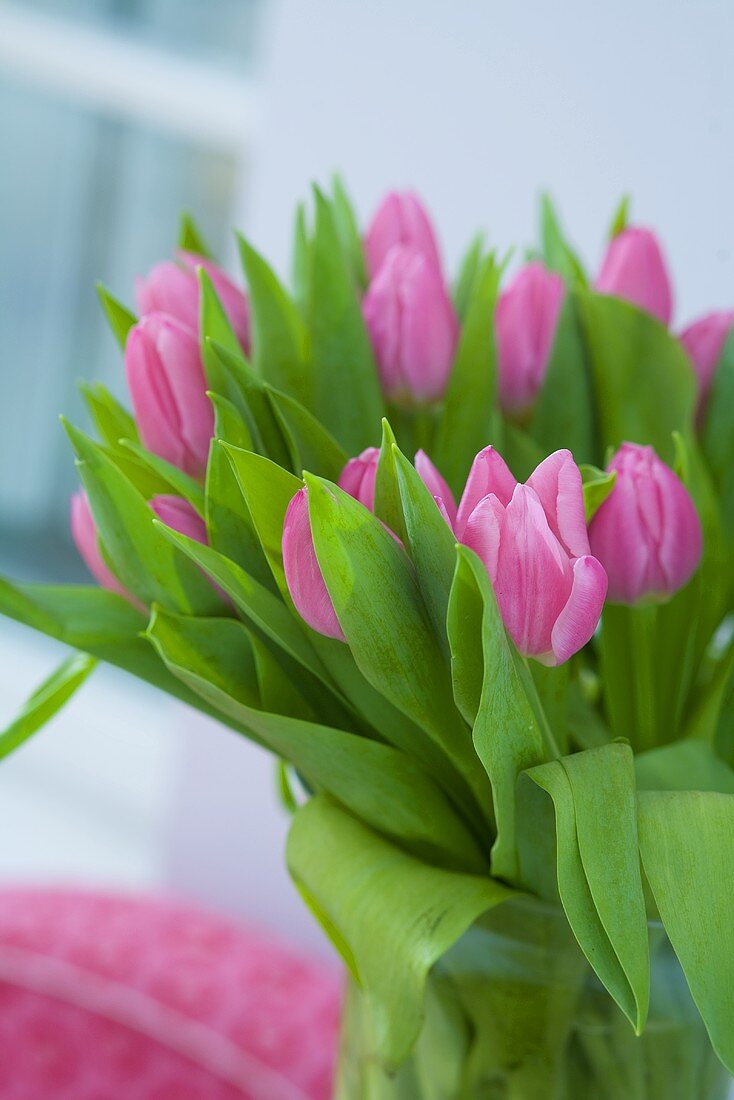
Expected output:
(107, 997)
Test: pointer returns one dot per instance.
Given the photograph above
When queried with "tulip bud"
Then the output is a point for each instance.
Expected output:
(412, 325)
(168, 390)
(173, 288)
(400, 219)
(704, 342)
(359, 476)
(647, 533)
(525, 321)
(634, 268)
(532, 540)
(302, 571)
(180, 516)
(86, 540)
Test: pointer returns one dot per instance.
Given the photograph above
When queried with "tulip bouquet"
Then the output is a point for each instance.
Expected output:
(459, 556)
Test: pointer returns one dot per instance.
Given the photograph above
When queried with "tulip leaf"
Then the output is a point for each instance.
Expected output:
(717, 438)
(380, 609)
(347, 397)
(620, 218)
(564, 410)
(687, 854)
(597, 865)
(644, 384)
(683, 766)
(229, 424)
(311, 446)
(228, 521)
(556, 251)
(390, 915)
(46, 701)
(469, 269)
(246, 391)
(388, 504)
(279, 337)
(120, 319)
(300, 259)
(268, 490)
(190, 239)
(597, 485)
(504, 702)
(143, 559)
(179, 483)
(348, 230)
(111, 420)
(471, 420)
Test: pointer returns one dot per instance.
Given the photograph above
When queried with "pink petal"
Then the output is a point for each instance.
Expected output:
(169, 288)
(578, 620)
(557, 481)
(483, 533)
(437, 485)
(303, 573)
(489, 474)
(525, 322)
(359, 475)
(155, 409)
(178, 514)
(634, 268)
(400, 219)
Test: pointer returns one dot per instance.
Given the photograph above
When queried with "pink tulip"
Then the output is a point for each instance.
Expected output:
(359, 475)
(647, 533)
(704, 342)
(412, 325)
(173, 288)
(400, 219)
(302, 571)
(168, 390)
(179, 515)
(532, 539)
(634, 268)
(86, 540)
(526, 320)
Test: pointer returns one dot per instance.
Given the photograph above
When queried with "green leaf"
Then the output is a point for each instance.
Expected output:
(388, 504)
(311, 446)
(564, 410)
(111, 420)
(717, 438)
(687, 854)
(145, 562)
(229, 423)
(556, 251)
(348, 230)
(120, 319)
(683, 766)
(178, 483)
(469, 269)
(593, 798)
(620, 218)
(597, 485)
(190, 239)
(228, 521)
(247, 392)
(391, 916)
(347, 397)
(268, 490)
(279, 337)
(214, 328)
(503, 706)
(380, 609)
(471, 419)
(300, 262)
(46, 701)
(644, 384)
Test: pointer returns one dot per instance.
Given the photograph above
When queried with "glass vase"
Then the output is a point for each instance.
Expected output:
(515, 1012)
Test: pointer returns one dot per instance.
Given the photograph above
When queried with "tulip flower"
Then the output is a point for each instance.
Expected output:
(359, 475)
(533, 541)
(178, 514)
(400, 219)
(168, 390)
(412, 325)
(302, 571)
(634, 268)
(704, 342)
(173, 288)
(86, 540)
(525, 320)
(647, 533)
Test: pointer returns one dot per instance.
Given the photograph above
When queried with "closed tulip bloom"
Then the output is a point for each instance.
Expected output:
(412, 325)
(704, 341)
(168, 390)
(173, 288)
(302, 571)
(525, 321)
(533, 542)
(359, 475)
(647, 533)
(86, 540)
(178, 514)
(401, 218)
(634, 268)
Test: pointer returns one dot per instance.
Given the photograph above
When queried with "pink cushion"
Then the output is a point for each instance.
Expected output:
(105, 997)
